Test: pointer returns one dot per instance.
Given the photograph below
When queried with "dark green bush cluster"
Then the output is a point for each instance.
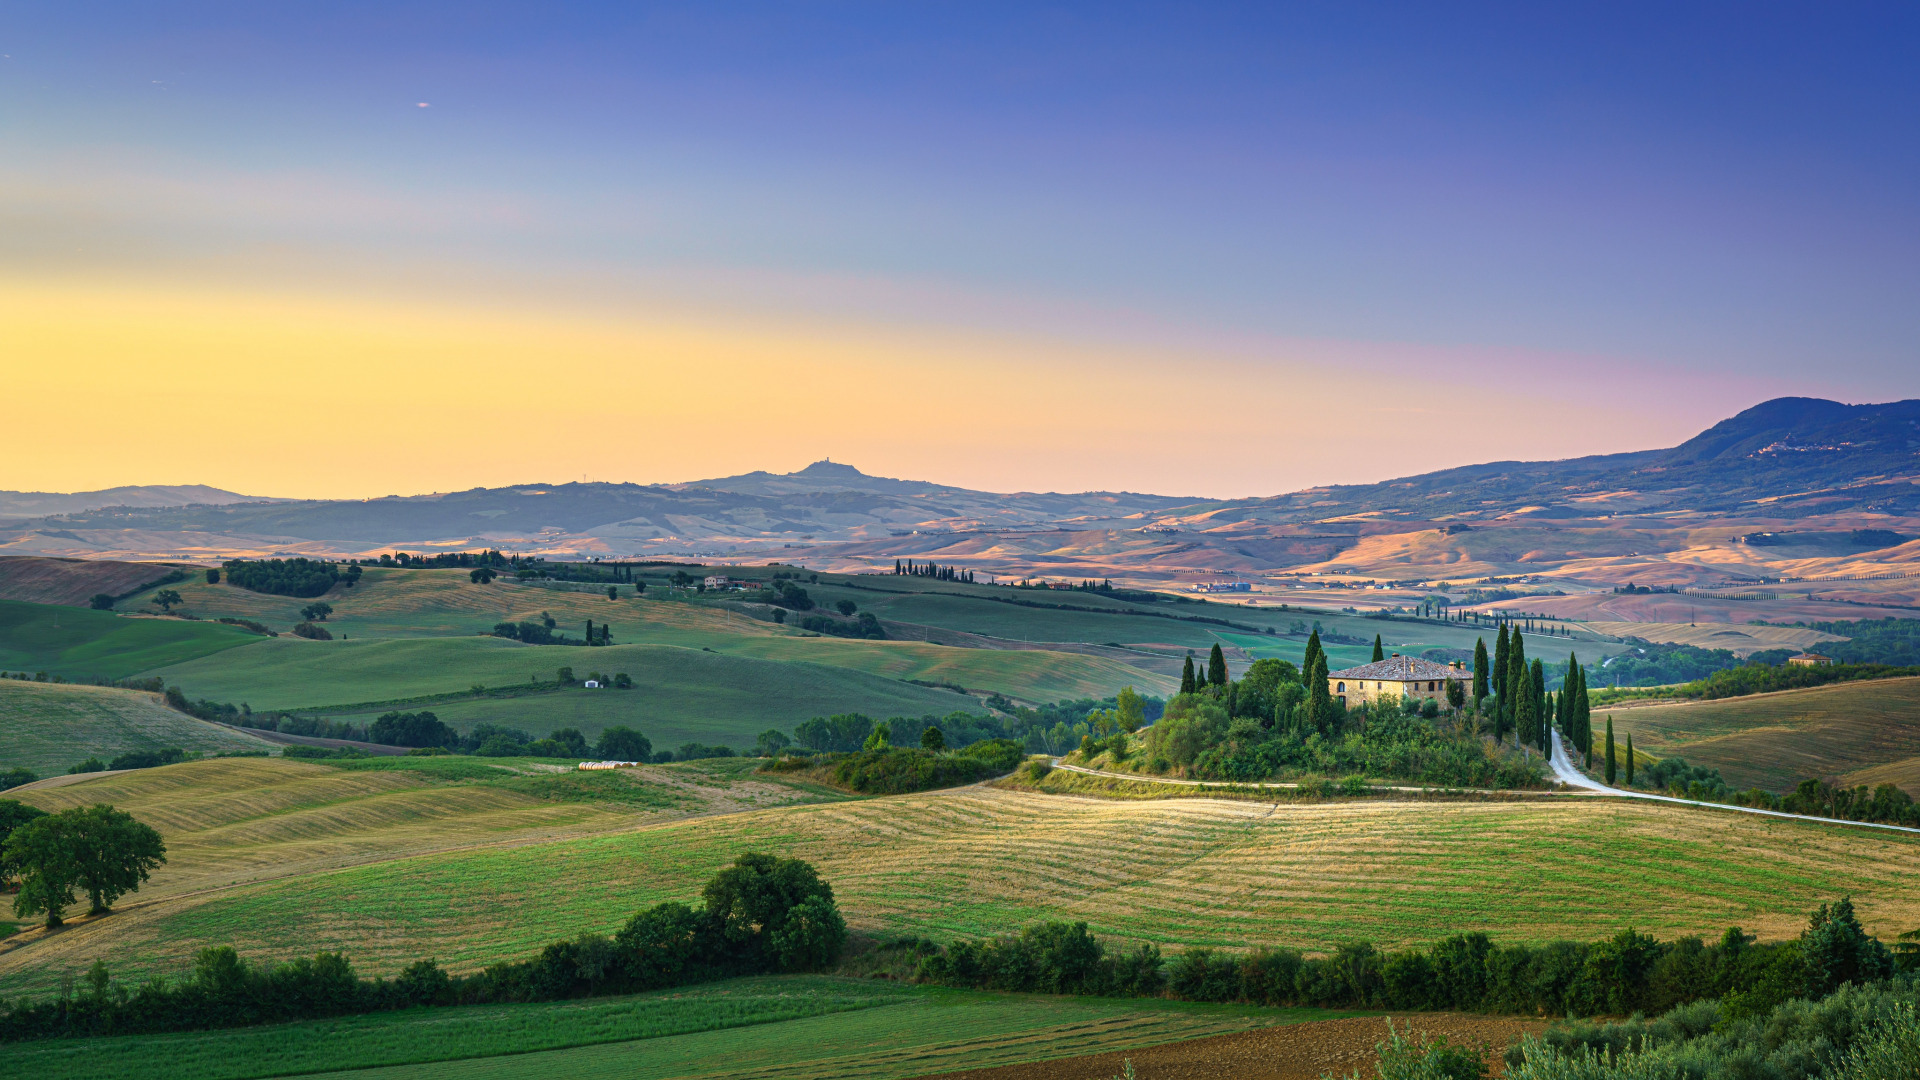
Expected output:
(864, 626)
(1801, 1039)
(149, 759)
(282, 577)
(1380, 740)
(1048, 958)
(1627, 973)
(897, 769)
(762, 914)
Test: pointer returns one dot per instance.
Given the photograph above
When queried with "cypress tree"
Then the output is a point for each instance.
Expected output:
(1479, 672)
(1629, 759)
(1543, 723)
(1378, 653)
(1186, 676)
(590, 631)
(1611, 767)
(1502, 645)
(1216, 667)
(1319, 695)
(1306, 662)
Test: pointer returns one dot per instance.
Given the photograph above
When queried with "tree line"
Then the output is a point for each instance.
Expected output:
(1626, 973)
(909, 568)
(761, 915)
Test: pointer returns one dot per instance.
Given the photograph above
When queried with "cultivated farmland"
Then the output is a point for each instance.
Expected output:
(798, 1026)
(47, 727)
(1859, 732)
(80, 643)
(1186, 872)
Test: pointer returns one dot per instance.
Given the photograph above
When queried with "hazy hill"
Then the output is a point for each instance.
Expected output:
(1792, 456)
(1817, 483)
(823, 501)
(30, 504)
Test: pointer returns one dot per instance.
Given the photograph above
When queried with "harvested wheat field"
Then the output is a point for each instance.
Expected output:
(1290, 1052)
(1859, 732)
(982, 861)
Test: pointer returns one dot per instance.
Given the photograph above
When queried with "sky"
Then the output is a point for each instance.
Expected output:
(348, 249)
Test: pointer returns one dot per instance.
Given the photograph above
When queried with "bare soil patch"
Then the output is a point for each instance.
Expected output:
(1288, 1052)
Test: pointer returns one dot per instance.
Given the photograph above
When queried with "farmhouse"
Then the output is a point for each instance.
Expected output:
(1809, 659)
(717, 581)
(1395, 678)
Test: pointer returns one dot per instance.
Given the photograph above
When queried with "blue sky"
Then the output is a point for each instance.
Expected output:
(1692, 206)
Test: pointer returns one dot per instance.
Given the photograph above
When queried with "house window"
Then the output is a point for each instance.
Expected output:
(1429, 685)
(1340, 688)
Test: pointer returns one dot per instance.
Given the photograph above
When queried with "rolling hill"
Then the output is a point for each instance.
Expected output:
(84, 644)
(1857, 733)
(47, 727)
(980, 861)
(1787, 459)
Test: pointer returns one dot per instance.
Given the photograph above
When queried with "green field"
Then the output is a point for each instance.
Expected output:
(47, 727)
(82, 644)
(979, 861)
(678, 693)
(800, 1026)
(234, 820)
(1858, 732)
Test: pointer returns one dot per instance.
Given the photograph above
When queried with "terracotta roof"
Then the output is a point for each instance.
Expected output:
(1399, 669)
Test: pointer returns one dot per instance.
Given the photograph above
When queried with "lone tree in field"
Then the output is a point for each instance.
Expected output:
(1216, 667)
(316, 612)
(613, 593)
(213, 576)
(1379, 653)
(166, 598)
(483, 576)
(1186, 676)
(1629, 759)
(1612, 766)
(97, 850)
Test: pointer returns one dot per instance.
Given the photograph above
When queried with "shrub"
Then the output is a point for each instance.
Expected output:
(14, 777)
(92, 764)
(312, 631)
(621, 743)
(148, 759)
(897, 770)
(412, 729)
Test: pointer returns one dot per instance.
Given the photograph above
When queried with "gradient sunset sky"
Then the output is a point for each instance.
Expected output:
(343, 250)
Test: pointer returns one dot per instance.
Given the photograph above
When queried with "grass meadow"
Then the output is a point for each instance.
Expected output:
(82, 644)
(1860, 732)
(48, 727)
(980, 861)
(800, 1026)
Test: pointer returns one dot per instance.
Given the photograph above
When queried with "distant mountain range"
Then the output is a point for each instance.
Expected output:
(33, 504)
(1787, 459)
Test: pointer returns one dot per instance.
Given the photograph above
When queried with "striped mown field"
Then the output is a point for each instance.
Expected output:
(48, 727)
(981, 861)
(1859, 732)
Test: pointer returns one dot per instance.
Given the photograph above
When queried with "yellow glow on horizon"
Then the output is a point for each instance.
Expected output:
(341, 397)
(120, 382)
